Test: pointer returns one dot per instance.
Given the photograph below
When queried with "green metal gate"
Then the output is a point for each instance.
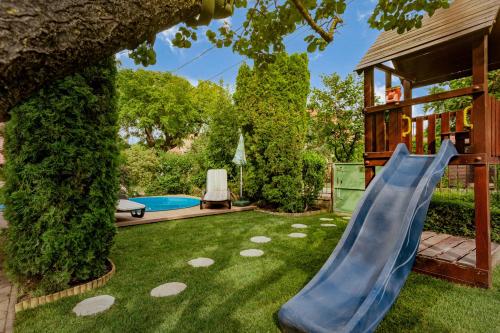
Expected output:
(349, 185)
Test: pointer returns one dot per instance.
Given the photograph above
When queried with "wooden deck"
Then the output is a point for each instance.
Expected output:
(456, 250)
(452, 258)
(125, 219)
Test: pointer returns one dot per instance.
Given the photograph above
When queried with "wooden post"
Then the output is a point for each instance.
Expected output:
(369, 100)
(332, 187)
(407, 91)
(394, 130)
(482, 144)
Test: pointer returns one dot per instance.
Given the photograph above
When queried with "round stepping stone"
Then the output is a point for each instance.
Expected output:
(326, 219)
(260, 239)
(299, 226)
(297, 235)
(328, 225)
(168, 289)
(94, 305)
(251, 253)
(201, 262)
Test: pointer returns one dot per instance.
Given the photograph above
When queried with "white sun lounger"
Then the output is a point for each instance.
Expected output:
(217, 190)
(136, 209)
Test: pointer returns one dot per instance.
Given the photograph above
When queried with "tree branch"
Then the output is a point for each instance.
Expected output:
(327, 36)
(41, 41)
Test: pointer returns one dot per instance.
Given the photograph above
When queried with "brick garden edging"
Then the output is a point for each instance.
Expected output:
(31, 303)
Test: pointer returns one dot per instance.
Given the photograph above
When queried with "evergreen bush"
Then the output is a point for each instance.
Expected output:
(313, 176)
(271, 101)
(62, 181)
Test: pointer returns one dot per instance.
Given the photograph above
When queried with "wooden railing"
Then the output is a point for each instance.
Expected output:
(448, 125)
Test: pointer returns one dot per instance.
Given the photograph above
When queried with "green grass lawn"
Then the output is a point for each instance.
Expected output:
(239, 294)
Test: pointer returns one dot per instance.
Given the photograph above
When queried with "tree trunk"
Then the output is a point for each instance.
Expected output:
(150, 140)
(43, 40)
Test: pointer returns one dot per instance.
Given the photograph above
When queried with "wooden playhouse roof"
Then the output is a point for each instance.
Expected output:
(441, 49)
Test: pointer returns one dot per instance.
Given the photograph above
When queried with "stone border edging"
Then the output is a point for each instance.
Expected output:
(314, 212)
(32, 303)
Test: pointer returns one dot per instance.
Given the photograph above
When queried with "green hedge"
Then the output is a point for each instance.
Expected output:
(62, 181)
(173, 175)
(455, 216)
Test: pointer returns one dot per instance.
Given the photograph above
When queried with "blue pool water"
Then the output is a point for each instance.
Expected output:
(2, 207)
(155, 204)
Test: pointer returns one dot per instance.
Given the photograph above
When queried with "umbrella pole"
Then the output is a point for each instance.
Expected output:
(241, 181)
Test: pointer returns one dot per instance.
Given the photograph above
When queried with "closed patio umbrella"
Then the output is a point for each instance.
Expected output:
(240, 160)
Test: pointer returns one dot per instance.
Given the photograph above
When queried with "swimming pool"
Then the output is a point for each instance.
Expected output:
(155, 204)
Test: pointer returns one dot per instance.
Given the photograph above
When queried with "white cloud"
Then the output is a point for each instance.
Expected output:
(380, 92)
(227, 22)
(191, 80)
(122, 55)
(362, 16)
(168, 35)
(317, 55)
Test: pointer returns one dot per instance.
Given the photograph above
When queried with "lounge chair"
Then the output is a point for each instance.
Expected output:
(136, 209)
(217, 190)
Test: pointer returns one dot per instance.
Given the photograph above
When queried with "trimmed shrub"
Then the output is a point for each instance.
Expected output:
(455, 216)
(271, 100)
(62, 181)
(313, 176)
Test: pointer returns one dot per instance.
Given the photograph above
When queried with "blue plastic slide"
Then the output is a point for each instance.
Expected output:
(365, 273)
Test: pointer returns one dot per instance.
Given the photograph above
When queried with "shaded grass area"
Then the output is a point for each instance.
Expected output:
(239, 294)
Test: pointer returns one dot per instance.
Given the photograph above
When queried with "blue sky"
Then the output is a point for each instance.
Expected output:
(351, 42)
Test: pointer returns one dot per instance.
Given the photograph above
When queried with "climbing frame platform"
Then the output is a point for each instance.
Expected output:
(441, 253)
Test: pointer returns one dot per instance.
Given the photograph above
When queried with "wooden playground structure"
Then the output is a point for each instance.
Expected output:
(461, 41)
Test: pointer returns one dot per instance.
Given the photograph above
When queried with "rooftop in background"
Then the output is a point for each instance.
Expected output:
(440, 49)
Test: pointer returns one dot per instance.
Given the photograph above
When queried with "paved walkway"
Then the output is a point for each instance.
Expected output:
(7, 303)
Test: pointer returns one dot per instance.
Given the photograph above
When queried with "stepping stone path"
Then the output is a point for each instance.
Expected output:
(297, 235)
(251, 253)
(346, 217)
(299, 226)
(328, 225)
(201, 262)
(326, 219)
(168, 289)
(94, 305)
(260, 239)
